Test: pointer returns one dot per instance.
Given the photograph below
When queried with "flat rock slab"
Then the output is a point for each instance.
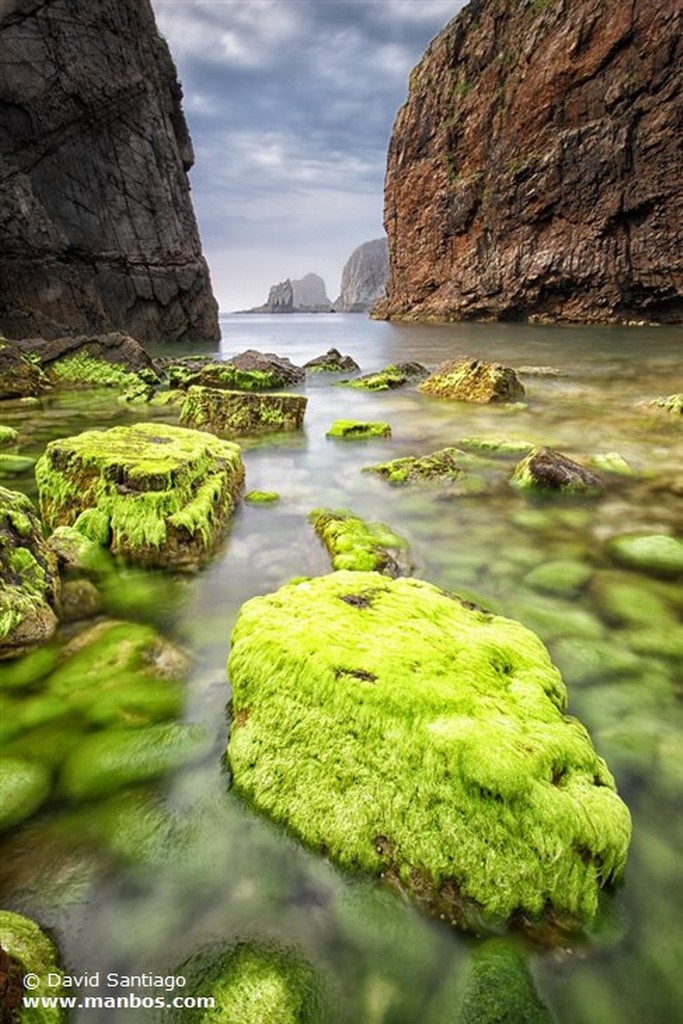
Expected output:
(235, 413)
(166, 491)
(471, 380)
(412, 736)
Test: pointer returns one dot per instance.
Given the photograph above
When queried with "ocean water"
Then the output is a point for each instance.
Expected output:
(140, 880)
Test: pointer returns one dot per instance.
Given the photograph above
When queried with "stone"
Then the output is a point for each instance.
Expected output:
(8, 436)
(30, 582)
(97, 227)
(471, 380)
(611, 462)
(29, 951)
(166, 492)
(15, 465)
(672, 404)
(20, 376)
(235, 413)
(499, 987)
(332, 362)
(416, 738)
(261, 497)
(529, 172)
(247, 371)
(655, 553)
(254, 983)
(354, 430)
(495, 445)
(357, 545)
(80, 599)
(444, 466)
(547, 470)
(105, 360)
(112, 759)
(622, 599)
(364, 277)
(393, 376)
(78, 553)
(561, 576)
(24, 787)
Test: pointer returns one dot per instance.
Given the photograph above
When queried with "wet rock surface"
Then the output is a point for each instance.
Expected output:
(235, 413)
(546, 470)
(471, 380)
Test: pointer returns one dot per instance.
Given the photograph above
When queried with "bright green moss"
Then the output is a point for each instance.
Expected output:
(655, 553)
(444, 466)
(235, 413)
(611, 462)
(225, 376)
(24, 787)
(499, 988)
(354, 430)
(165, 492)
(253, 983)
(471, 380)
(391, 377)
(28, 574)
(360, 546)
(564, 577)
(8, 436)
(413, 737)
(262, 497)
(495, 445)
(14, 465)
(672, 404)
(35, 954)
(87, 370)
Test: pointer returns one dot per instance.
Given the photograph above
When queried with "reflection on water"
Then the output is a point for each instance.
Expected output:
(141, 878)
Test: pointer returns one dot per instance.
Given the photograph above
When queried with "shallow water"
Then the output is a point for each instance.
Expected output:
(139, 880)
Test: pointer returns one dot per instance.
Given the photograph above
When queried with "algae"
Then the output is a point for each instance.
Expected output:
(444, 466)
(235, 413)
(30, 947)
(471, 380)
(418, 739)
(358, 545)
(499, 988)
(261, 497)
(391, 377)
(655, 553)
(24, 787)
(354, 430)
(8, 436)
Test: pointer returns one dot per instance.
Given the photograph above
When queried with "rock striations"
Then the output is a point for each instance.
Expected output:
(96, 223)
(364, 277)
(532, 171)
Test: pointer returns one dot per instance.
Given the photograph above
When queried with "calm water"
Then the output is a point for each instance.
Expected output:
(142, 879)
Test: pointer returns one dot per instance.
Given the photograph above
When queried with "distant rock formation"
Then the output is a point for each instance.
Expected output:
(97, 231)
(306, 295)
(531, 173)
(364, 277)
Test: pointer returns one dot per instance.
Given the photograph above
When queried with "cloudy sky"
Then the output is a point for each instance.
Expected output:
(290, 105)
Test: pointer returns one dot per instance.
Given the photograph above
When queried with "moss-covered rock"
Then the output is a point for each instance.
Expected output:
(20, 375)
(235, 413)
(356, 430)
(79, 599)
(611, 462)
(332, 362)
(358, 545)
(471, 380)
(248, 371)
(166, 492)
(624, 599)
(30, 952)
(546, 470)
(24, 787)
(672, 404)
(563, 576)
(253, 983)
(499, 988)
(8, 436)
(495, 445)
(108, 761)
(83, 370)
(419, 739)
(445, 466)
(28, 573)
(655, 553)
(261, 497)
(396, 375)
(14, 465)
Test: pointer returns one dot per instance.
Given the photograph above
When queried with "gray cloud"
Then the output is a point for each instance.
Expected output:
(290, 106)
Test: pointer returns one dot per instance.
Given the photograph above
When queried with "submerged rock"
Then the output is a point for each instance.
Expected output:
(355, 430)
(254, 983)
(8, 436)
(261, 497)
(167, 492)
(672, 404)
(332, 362)
(499, 988)
(248, 371)
(234, 413)
(360, 546)
(470, 380)
(14, 465)
(656, 553)
(20, 376)
(444, 466)
(80, 599)
(24, 787)
(394, 376)
(104, 360)
(28, 572)
(611, 462)
(413, 737)
(495, 445)
(28, 951)
(546, 470)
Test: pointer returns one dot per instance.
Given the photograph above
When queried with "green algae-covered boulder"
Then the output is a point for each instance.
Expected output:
(332, 362)
(495, 445)
(253, 983)
(26, 949)
(471, 380)
(672, 404)
(655, 553)
(561, 576)
(8, 436)
(29, 578)
(234, 413)
(14, 465)
(247, 371)
(108, 761)
(417, 738)
(611, 462)
(166, 492)
(444, 466)
(546, 470)
(358, 545)
(391, 377)
(356, 430)
(499, 988)
(262, 497)
(23, 788)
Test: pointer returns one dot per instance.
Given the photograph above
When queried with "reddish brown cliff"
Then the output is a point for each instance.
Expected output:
(535, 170)
(97, 230)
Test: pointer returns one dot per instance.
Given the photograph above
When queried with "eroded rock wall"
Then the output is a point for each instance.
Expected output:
(97, 230)
(535, 169)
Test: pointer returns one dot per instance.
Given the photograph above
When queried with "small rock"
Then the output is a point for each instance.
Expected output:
(80, 599)
(358, 545)
(261, 497)
(332, 362)
(391, 377)
(355, 430)
(547, 470)
(655, 553)
(24, 787)
(471, 380)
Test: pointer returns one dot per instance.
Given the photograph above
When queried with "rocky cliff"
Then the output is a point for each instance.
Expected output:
(364, 277)
(96, 225)
(535, 170)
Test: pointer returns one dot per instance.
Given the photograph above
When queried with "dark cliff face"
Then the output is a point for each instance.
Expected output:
(97, 229)
(535, 170)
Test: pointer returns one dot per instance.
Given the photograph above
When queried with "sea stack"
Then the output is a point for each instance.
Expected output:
(530, 171)
(364, 277)
(96, 223)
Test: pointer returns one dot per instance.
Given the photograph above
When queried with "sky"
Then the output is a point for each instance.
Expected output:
(290, 105)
